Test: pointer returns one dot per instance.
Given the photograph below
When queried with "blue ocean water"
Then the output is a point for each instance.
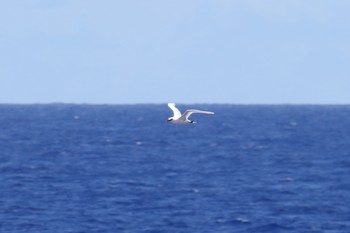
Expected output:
(123, 168)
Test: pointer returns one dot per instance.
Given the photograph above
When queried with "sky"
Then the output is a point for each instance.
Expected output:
(184, 51)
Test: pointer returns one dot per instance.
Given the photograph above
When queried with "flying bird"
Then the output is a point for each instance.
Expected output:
(183, 119)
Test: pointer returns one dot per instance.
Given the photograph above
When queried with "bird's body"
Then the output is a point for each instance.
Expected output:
(183, 119)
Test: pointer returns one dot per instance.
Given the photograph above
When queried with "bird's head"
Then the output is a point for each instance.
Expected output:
(170, 119)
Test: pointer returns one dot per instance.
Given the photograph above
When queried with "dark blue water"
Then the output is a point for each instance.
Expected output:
(86, 168)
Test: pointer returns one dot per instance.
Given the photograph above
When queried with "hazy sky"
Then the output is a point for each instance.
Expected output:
(187, 51)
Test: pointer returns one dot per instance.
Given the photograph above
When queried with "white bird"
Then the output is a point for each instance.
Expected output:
(183, 119)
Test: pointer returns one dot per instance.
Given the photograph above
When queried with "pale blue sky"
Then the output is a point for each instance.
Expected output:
(186, 51)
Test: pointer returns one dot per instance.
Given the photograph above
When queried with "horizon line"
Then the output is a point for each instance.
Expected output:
(161, 103)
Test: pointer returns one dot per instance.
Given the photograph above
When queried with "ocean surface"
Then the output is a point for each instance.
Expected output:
(123, 168)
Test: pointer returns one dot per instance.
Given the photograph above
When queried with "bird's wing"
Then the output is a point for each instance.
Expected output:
(190, 111)
(177, 113)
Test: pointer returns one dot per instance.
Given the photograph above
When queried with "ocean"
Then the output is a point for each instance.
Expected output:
(122, 168)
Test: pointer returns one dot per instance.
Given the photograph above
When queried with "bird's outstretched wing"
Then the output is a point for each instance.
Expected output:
(190, 111)
(177, 113)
